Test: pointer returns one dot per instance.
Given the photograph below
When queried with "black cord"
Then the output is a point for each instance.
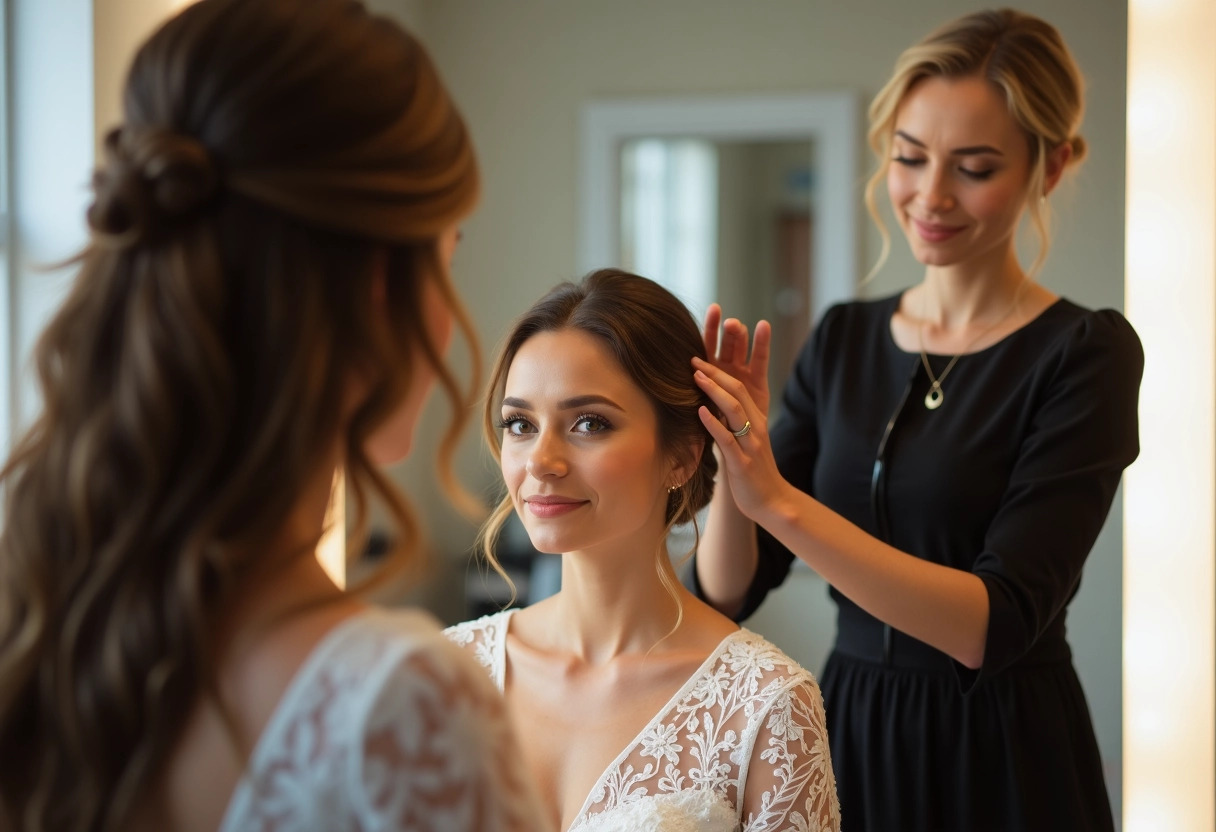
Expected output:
(878, 491)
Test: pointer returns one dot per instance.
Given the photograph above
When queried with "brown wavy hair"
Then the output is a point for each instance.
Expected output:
(1027, 63)
(279, 161)
(653, 337)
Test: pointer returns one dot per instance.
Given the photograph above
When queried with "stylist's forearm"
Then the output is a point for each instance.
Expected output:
(944, 607)
(727, 555)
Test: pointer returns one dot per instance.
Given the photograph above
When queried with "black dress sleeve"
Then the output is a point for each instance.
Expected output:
(1082, 435)
(795, 441)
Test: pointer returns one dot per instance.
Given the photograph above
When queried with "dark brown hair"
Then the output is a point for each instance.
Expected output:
(653, 337)
(277, 159)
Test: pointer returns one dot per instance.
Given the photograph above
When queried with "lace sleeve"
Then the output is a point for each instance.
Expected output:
(790, 782)
(438, 752)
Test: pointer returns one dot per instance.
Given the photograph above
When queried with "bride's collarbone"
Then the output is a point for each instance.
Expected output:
(574, 722)
(624, 692)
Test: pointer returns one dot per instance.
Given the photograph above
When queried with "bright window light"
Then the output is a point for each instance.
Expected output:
(669, 216)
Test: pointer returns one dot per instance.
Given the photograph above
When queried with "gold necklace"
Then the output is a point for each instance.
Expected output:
(935, 396)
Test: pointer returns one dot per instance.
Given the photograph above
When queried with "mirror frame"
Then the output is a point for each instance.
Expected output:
(830, 120)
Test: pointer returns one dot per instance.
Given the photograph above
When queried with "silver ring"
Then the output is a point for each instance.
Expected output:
(743, 431)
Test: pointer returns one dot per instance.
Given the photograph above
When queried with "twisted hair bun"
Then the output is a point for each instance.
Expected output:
(150, 180)
(1080, 148)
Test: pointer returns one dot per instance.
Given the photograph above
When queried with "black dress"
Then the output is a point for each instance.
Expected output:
(1010, 479)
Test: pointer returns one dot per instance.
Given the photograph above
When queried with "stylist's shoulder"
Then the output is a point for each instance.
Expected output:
(1109, 327)
(1105, 339)
(1101, 364)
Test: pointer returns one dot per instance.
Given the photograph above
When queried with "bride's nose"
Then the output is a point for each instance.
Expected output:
(547, 457)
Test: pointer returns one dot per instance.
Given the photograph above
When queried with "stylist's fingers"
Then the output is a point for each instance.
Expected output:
(726, 391)
(713, 320)
(761, 348)
(733, 350)
(721, 434)
(735, 423)
(754, 374)
(751, 470)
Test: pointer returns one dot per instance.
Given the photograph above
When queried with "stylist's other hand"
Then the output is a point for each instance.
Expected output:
(730, 354)
(755, 483)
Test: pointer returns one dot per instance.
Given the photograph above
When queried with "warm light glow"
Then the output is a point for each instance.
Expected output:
(1169, 579)
(332, 549)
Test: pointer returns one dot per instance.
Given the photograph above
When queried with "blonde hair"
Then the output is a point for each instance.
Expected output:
(653, 338)
(277, 160)
(1027, 62)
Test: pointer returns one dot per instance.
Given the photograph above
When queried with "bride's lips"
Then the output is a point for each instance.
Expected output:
(550, 505)
(935, 232)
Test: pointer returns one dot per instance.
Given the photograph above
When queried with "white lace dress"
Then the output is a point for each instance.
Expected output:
(386, 726)
(748, 723)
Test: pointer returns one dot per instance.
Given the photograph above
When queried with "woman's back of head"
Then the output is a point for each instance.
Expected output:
(264, 226)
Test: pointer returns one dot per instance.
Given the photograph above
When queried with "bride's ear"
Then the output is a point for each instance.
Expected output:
(684, 467)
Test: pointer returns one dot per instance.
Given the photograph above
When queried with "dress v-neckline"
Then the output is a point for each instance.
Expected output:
(667, 706)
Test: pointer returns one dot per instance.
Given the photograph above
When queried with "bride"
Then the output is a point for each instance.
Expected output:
(638, 706)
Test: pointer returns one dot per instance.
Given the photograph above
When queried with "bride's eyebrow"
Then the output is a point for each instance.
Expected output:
(572, 403)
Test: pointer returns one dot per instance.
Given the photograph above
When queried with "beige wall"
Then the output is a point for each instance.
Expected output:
(119, 26)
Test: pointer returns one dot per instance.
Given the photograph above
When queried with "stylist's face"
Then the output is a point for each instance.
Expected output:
(393, 440)
(959, 171)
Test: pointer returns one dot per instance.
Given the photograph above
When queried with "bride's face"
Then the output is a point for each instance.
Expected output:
(580, 448)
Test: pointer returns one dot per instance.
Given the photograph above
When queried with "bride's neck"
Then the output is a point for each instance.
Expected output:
(608, 608)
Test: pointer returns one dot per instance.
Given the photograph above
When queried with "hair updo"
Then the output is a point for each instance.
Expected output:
(150, 179)
(1027, 62)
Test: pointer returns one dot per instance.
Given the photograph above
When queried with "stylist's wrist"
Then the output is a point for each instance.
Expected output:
(777, 508)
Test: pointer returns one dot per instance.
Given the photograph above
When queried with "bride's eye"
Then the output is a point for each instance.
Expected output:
(516, 425)
(590, 423)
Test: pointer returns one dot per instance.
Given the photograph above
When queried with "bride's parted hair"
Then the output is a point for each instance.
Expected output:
(653, 338)
(266, 220)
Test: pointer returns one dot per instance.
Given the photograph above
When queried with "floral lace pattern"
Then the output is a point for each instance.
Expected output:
(748, 726)
(386, 726)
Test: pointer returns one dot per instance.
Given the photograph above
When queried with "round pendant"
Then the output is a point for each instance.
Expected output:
(933, 399)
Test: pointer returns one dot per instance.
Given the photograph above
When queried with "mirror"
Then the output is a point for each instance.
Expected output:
(725, 221)
(744, 200)
(529, 111)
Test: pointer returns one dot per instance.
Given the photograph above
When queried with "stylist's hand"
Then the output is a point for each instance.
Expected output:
(755, 483)
(730, 354)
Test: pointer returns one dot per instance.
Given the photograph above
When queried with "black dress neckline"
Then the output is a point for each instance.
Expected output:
(1045, 316)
